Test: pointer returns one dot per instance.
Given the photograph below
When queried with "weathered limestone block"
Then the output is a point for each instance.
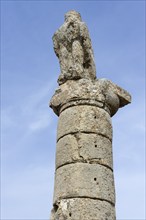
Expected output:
(84, 118)
(86, 148)
(101, 92)
(84, 180)
(73, 47)
(83, 209)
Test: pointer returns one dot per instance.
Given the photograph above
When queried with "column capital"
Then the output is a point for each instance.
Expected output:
(100, 92)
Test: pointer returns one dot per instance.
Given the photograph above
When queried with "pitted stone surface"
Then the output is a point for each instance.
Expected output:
(83, 209)
(88, 119)
(84, 180)
(86, 148)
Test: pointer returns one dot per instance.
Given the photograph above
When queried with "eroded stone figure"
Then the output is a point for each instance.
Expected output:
(73, 47)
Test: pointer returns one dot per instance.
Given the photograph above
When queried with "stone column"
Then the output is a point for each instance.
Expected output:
(84, 182)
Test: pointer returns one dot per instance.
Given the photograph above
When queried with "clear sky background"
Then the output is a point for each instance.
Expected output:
(29, 72)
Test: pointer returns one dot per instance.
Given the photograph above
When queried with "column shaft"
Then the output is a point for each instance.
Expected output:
(84, 167)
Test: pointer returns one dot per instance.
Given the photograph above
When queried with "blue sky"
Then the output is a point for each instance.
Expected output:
(29, 72)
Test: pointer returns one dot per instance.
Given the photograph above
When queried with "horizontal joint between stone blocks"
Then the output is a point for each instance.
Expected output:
(86, 197)
(86, 162)
(84, 132)
(88, 102)
(84, 180)
(83, 209)
(89, 119)
(85, 148)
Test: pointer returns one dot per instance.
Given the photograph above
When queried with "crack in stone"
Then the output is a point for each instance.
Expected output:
(89, 161)
(77, 136)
